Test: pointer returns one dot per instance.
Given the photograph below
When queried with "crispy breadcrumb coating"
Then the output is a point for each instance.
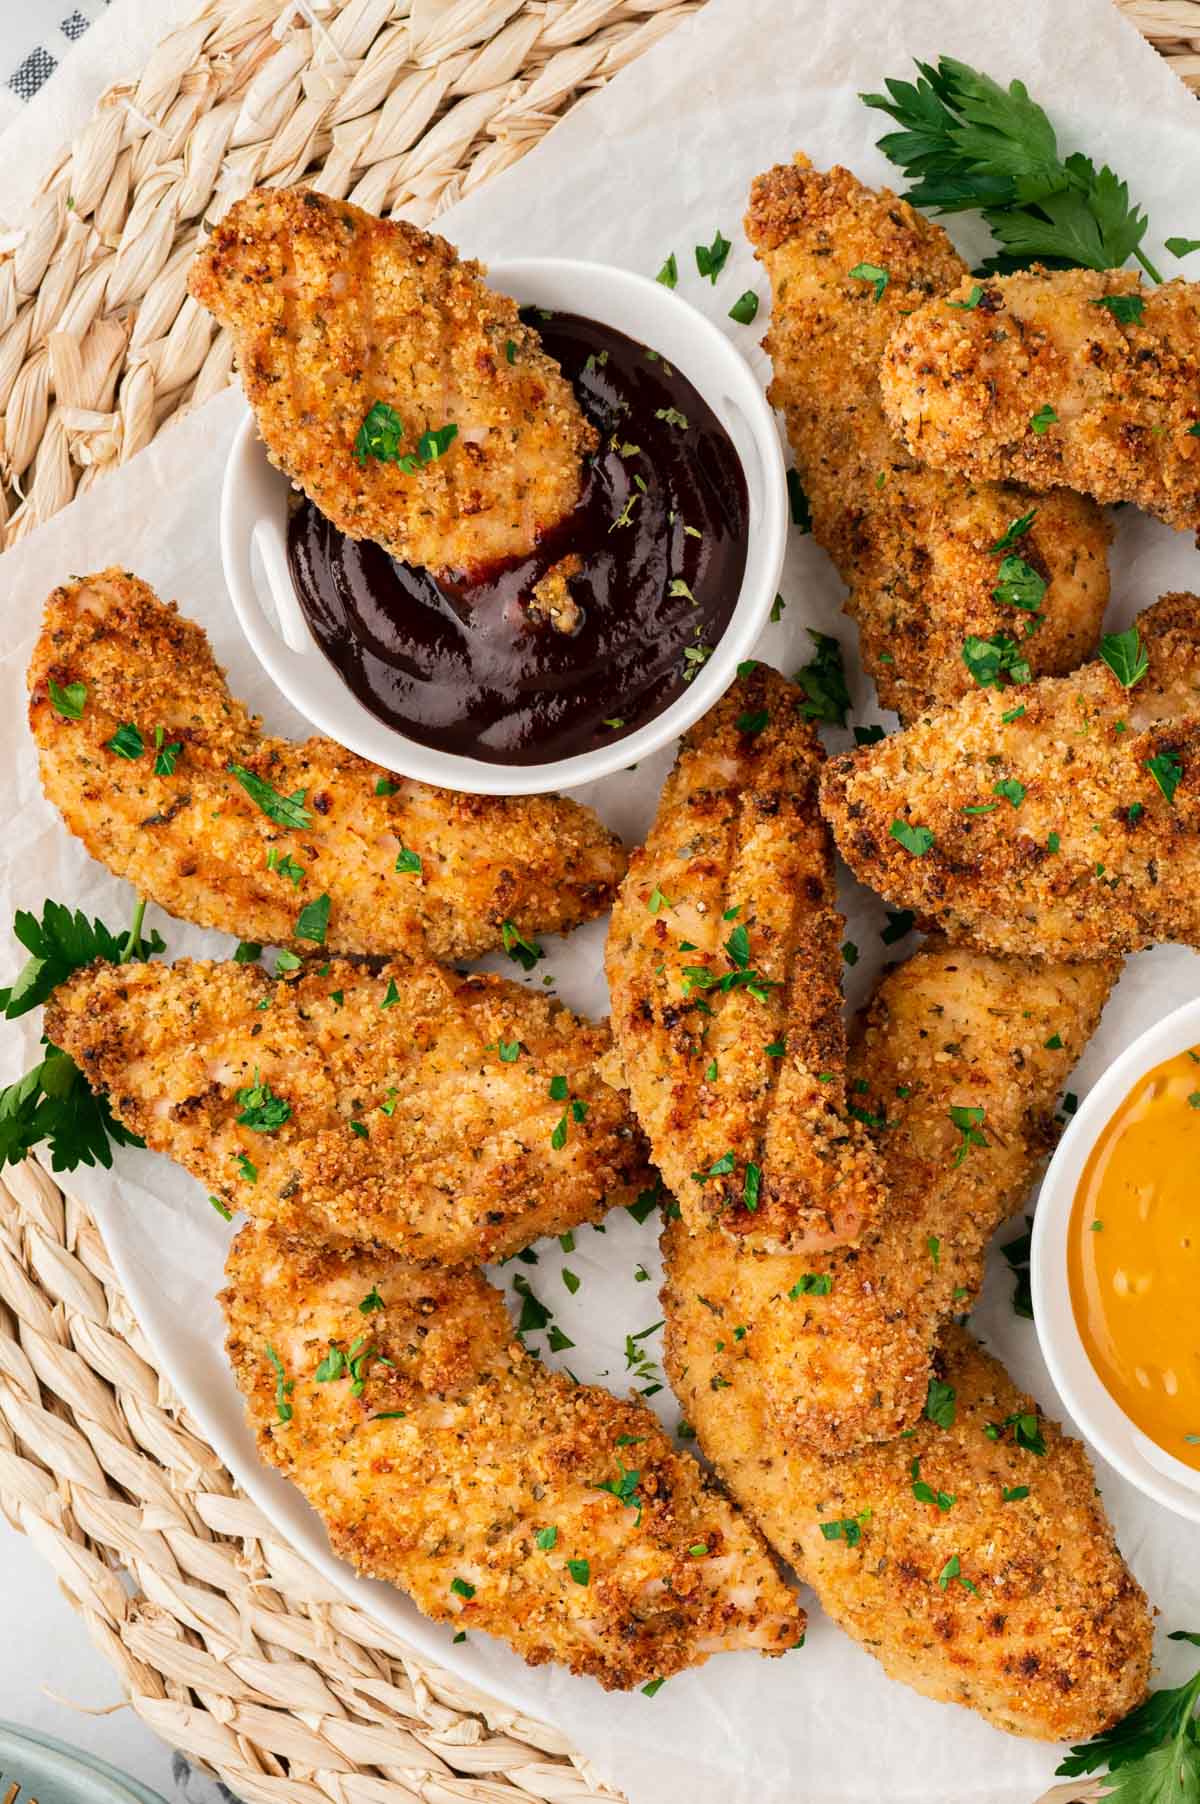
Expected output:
(839, 1344)
(501, 1496)
(742, 1089)
(191, 838)
(446, 1117)
(1069, 828)
(1042, 383)
(335, 312)
(912, 544)
(1012, 1599)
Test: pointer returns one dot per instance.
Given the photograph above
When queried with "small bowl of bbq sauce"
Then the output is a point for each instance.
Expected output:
(673, 553)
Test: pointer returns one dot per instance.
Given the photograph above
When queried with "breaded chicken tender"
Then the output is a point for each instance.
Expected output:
(1066, 828)
(916, 547)
(1075, 377)
(445, 1117)
(958, 1063)
(972, 1558)
(501, 1496)
(170, 782)
(723, 965)
(361, 342)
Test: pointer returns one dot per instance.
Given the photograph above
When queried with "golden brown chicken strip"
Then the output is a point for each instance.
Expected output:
(1075, 376)
(958, 1064)
(224, 826)
(398, 390)
(919, 550)
(501, 1496)
(446, 1117)
(724, 964)
(972, 1558)
(1066, 828)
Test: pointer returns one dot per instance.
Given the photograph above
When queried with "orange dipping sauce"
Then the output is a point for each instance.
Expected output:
(1133, 1256)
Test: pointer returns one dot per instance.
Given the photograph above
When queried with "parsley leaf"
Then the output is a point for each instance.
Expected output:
(262, 1110)
(969, 143)
(823, 680)
(710, 259)
(1125, 656)
(990, 659)
(68, 702)
(1042, 420)
(1166, 770)
(1016, 529)
(940, 1403)
(668, 275)
(286, 811)
(408, 861)
(127, 742)
(871, 272)
(798, 502)
(1018, 585)
(967, 1121)
(313, 920)
(745, 308)
(915, 840)
(523, 952)
(972, 301)
(1127, 308)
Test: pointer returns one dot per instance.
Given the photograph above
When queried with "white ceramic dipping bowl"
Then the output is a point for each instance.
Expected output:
(1099, 1416)
(254, 542)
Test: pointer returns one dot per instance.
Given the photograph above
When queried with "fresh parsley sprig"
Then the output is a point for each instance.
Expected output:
(1153, 1754)
(966, 143)
(53, 1103)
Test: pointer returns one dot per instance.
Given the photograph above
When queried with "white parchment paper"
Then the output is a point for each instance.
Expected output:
(656, 162)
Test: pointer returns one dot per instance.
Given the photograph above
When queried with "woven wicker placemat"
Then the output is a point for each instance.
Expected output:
(227, 1643)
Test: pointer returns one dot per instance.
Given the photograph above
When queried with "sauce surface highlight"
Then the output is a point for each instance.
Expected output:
(660, 535)
(1133, 1256)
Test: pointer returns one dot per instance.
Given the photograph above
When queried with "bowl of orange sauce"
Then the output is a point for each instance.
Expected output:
(1115, 1264)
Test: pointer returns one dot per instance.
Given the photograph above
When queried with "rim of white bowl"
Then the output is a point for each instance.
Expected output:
(1096, 1412)
(253, 501)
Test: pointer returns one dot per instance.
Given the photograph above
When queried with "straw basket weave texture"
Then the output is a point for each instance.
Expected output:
(229, 1645)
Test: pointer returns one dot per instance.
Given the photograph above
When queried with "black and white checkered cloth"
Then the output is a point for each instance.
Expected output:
(35, 36)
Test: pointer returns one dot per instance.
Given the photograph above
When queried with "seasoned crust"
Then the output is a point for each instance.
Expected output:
(735, 884)
(1049, 1637)
(964, 386)
(457, 1454)
(194, 842)
(949, 1028)
(411, 1124)
(333, 311)
(913, 544)
(1093, 858)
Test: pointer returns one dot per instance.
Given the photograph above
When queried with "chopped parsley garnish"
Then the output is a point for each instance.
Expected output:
(752, 1186)
(1014, 1493)
(925, 1493)
(933, 1246)
(1053, 842)
(381, 433)
(546, 1537)
(222, 1210)
(901, 922)
(695, 656)
(1016, 529)
(1027, 1431)
(671, 416)
(990, 659)
(580, 1571)
(1125, 656)
(868, 735)
(710, 258)
(823, 680)
(647, 1202)
(68, 702)
(940, 1403)
(509, 1050)
(1042, 420)
(1166, 770)
(371, 1302)
(127, 742)
(523, 952)
(798, 502)
(385, 787)
(850, 952)
(972, 301)
(967, 1121)
(247, 1167)
(751, 725)
(625, 1489)
(848, 1529)
(658, 900)
(720, 1168)
(668, 275)
(284, 1386)
(745, 308)
(953, 1570)
(811, 1284)
(313, 920)
(165, 756)
(408, 861)
(915, 840)
(1182, 247)
(1019, 585)
(391, 995)
(871, 272)
(261, 1108)
(655, 1685)
(461, 1588)
(1127, 308)
(1010, 790)
(285, 811)
(777, 607)
(285, 867)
